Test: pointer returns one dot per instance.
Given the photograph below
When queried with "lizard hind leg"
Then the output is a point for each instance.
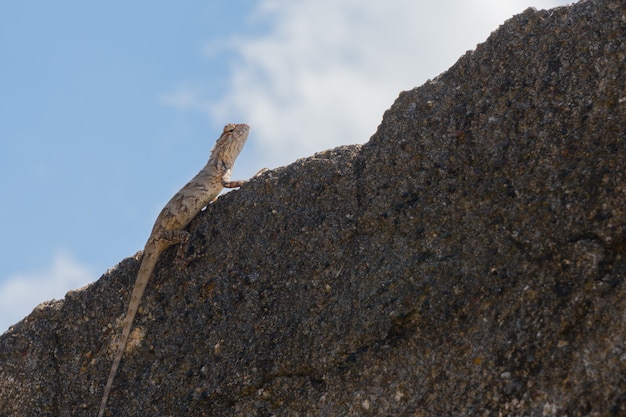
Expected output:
(172, 237)
(183, 258)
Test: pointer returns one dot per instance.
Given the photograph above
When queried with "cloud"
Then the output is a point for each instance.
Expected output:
(325, 71)
(20, 294)
(185, 98)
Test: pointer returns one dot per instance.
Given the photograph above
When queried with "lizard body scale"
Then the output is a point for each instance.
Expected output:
(169, 226)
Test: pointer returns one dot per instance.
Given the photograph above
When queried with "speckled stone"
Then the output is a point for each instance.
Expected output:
(469, 260)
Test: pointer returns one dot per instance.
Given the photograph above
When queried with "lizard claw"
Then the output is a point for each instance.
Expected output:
(261, 171)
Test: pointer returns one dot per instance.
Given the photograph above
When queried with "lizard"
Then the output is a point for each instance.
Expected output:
(169, 226)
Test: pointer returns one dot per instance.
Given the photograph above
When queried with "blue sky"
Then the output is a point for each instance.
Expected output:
(107, 109)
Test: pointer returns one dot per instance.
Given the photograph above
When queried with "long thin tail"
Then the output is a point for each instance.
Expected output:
(150, 257)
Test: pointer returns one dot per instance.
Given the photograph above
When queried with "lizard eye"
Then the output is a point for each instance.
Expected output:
(229, 128)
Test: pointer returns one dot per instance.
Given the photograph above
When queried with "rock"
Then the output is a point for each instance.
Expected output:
(468, 260)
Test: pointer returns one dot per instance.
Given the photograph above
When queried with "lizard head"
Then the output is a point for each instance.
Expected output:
(231, 142)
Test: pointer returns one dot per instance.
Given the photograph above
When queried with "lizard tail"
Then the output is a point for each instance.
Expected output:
(148, 263)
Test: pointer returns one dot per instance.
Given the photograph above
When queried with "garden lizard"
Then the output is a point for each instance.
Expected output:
(175, 216)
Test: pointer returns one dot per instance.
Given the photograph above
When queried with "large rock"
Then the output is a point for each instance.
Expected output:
(468, 260)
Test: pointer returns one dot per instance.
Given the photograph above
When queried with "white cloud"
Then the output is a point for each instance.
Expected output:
(187, 97)
(20, 294)
(326, 70)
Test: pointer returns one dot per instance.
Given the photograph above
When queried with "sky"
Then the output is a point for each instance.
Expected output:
(108, 108)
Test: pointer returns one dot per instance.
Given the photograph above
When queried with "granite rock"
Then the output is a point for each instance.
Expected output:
(468, 260)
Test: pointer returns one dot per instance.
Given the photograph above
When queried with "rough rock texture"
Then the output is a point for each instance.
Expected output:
(468, 260)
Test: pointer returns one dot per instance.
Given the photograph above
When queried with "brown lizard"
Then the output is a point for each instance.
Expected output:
(175, 216)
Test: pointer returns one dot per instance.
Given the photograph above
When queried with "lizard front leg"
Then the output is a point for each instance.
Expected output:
(228, 183)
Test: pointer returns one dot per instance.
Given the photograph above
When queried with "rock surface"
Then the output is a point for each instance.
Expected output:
(468, 260)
